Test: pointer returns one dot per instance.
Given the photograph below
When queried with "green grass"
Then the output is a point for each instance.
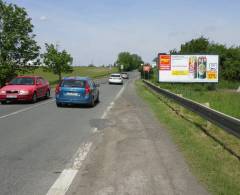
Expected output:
(93, 72)
(223, 100)
(216, 168)
(223, 84)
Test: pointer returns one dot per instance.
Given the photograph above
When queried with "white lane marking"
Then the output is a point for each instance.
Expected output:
(112, 103)
(25, 109)
(106, 111)
(63, 182)
(81, 155)
(95, 130)
(120, 93)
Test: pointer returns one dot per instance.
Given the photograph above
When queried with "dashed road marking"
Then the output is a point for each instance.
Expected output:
(112, 103)
(63, 182)
(95, 130)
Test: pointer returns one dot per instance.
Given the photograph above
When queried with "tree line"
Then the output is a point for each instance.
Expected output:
(128, 61)
(19, 52)
(229, 57)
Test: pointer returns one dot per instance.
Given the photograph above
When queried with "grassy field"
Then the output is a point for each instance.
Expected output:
(93, 72)
(214, 166)
(221, 96)
(224, 98)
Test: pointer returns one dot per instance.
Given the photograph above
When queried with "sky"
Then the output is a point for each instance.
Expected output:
(96, 31)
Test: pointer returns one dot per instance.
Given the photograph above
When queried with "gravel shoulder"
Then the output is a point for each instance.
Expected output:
(133, 154)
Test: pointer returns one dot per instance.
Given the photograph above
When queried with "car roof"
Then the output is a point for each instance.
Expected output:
(76, 78)
(27, 76)
(115, 74)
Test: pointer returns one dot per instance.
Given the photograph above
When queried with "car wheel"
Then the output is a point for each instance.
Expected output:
(59, 104)
(47, 95)
(98, 100)
(34, 97)
(3, 102)
(92, 103)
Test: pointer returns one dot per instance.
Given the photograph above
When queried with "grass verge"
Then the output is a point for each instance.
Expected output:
(223, 100)
(215, 167)
(93, 72)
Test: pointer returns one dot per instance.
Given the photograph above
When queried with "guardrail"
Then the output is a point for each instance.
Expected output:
(228, 123)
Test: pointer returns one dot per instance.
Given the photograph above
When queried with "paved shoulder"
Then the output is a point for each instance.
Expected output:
(134, 156)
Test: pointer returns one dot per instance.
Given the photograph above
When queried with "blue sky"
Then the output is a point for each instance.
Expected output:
(96, 31)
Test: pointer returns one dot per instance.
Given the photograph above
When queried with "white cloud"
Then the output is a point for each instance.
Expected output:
(43, 18)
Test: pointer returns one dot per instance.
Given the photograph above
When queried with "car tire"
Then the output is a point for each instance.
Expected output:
(34, 97)
(92, 103)
(98, 99)
(3, 102)
(59, 104)
(47, 95)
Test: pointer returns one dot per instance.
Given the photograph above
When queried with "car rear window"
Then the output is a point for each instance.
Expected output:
(115, 75)
(22, 81)
(73, 83)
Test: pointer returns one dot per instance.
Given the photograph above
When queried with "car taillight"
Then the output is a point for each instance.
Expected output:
(87, 89)
(58, 89)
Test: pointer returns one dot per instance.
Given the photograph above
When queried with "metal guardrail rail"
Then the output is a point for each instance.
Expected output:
(228, 123)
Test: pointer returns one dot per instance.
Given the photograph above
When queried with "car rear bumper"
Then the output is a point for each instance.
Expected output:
(63, 100)
(115, 81)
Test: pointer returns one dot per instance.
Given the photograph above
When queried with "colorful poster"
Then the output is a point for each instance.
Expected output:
(165, 62)
(188, 68)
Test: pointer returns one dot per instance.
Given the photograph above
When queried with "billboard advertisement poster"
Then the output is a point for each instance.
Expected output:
(188, 68)
(165, 62)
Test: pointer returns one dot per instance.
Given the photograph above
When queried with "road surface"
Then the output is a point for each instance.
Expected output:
(37, 141)
(134, 155)
(117, 147)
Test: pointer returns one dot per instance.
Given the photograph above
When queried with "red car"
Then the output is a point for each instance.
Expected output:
(25, 88)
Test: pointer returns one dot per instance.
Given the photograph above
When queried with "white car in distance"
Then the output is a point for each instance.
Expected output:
(115, 78)
(124, 75)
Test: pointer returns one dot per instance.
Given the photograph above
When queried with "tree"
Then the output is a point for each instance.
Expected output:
(229, 58)
(56, 61)
(129, 61)
(195, 46)
(136, 61)
(17, 44)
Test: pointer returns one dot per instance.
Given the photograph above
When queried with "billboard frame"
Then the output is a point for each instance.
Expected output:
(201, 54)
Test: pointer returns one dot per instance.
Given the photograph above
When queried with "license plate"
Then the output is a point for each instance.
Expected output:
(11, 96)
(72, 94)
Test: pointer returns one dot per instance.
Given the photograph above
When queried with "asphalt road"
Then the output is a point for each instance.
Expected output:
(37, 141)
(133, 154)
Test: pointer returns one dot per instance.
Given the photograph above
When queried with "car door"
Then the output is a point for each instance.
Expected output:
(44, 86)
(93, 88)
(40, 87)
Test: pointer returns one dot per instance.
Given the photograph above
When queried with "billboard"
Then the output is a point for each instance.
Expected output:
(188, 68)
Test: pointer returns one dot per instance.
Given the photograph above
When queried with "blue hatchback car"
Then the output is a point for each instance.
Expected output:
(77, 90)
